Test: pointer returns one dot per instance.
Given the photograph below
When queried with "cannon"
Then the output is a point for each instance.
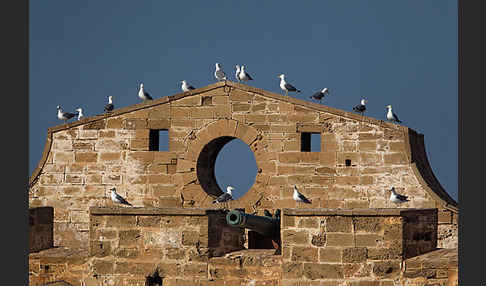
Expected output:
(264, 225)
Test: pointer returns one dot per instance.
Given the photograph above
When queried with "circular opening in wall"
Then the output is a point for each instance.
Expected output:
(226, 161)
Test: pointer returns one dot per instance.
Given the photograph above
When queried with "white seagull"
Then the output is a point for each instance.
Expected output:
(185, 87)
(109, 107)
(286, 86)
(397, 198)
(361, 107)
(391, 115)
(298, 197)
(64, 115)
(237, 74)
(143, 94)
(225, 197)
(116, 198)
(320, 94)
(219, 73)
(244, 76)
(80, 113)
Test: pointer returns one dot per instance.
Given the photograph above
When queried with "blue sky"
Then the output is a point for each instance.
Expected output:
(402, 53)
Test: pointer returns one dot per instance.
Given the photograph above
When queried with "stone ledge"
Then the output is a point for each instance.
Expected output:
(354, 212)
(58, 255)
(148, 211)
(440, 258)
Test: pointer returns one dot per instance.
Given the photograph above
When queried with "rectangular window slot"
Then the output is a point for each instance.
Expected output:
(347, 162)
(310, 142)
(159, 140)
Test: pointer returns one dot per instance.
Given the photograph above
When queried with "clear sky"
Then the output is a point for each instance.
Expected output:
(402, 53)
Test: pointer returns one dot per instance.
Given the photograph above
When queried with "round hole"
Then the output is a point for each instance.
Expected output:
(226, 161)
(236, 166)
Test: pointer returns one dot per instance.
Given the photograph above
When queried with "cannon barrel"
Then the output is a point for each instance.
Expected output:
(264, 225)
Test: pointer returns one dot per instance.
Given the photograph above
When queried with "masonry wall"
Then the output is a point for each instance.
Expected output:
(84, 159)
(193, 247)
(360, 247)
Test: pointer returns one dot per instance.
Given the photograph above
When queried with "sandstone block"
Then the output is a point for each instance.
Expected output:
(315, 271)
(180, 112)
(63, 157)
(354, 254)
(103, 266)
(114, 123)
(158, 124)
(241, 107)
(395, 159)
(290, 237)
(304, 254)
(292, 270)
(330, 254)
(368, 240)
(368, 224)
(134, 123)
(319, 240)
(98, 124)
(81, 157)
(339, 224)
(240, 96)
(339, 239)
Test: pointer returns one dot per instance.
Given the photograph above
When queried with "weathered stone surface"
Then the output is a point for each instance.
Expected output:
(85, 159)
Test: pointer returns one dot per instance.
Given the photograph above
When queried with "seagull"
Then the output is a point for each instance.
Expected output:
(80, 113)
(225, 197)
(237, 74)
(397, 198)
(244, 76)
(109, 107)
(391, 115)
(143, 94)
(64, 115)
(361, 107)
(286, 86)
(116, 198)
(298, 197)
(185, 87)
(219, 73)
(320, 94)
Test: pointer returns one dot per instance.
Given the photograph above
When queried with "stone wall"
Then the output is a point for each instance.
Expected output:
(359, 247)
(84, 159)
(41, 222)
(319, 247)
(439, 267)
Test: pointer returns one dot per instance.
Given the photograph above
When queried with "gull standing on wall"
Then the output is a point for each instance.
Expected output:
(64, 115)
(361, 108)
(286, 86)
(237, 73)
(320, 94)
(80, 113)
(109, 107)
(244, 76)
(117, 199)
(219, 73)
(225, 197)
(186, 87)
(298, 197)
(390, 115)
(397, 198)
(143, 94)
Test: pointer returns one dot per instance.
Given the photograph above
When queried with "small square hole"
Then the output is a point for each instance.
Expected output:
(159, 140)
(347, 162)
(310, 142)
